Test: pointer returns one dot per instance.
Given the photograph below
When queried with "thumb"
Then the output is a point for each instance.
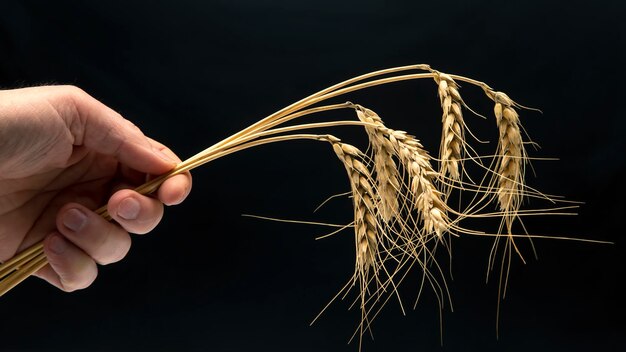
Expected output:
(99, 128)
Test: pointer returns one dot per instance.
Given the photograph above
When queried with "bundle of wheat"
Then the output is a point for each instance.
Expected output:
(401, 214)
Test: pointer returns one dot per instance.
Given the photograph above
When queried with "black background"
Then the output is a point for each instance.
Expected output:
(190, 73)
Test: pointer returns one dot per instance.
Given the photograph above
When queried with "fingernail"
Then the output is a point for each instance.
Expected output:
(128, 209)
(57, 244)
(74, 219)
(163, 156)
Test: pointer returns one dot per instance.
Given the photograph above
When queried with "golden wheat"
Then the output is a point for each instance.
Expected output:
(388, 143)
(512, 157)
(365, 226)
(387, 175)
(452, 136)
(426, 198)
(400, 212)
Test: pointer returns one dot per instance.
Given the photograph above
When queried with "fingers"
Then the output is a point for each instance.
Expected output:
(134, 212)
(175, 189)
(102, 240)
(70, 268)
(86, 239)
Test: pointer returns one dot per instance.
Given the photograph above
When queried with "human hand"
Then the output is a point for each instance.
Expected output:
(63, 154)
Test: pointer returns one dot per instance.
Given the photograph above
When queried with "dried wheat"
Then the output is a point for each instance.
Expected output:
(365, 226)
(452, 136)
(402, 216)
(387, 175)
(512, 157)
(388, 143)
(426, 198)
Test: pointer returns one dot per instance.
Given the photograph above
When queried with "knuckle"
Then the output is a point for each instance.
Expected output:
(130, 125)
(71, 91)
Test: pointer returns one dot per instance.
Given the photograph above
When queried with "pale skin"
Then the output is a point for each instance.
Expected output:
(62, 155)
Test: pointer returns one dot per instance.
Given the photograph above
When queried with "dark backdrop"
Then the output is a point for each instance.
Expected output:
(192, 72)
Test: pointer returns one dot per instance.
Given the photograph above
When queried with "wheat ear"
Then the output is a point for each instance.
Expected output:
(452, 134)
(512, 158)
(387, 175)
(426, 198)
(365, 226)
